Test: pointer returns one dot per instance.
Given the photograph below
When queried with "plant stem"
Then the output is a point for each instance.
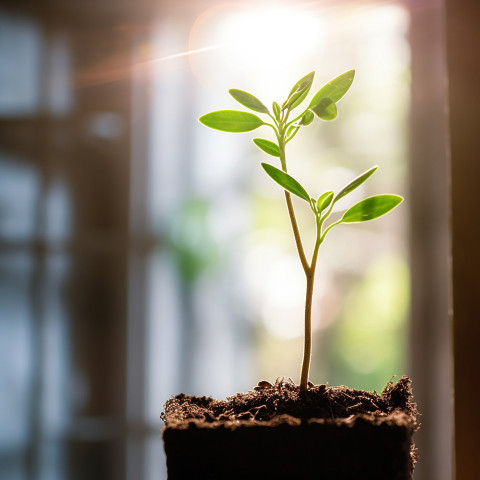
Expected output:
(309, 269)
(307, 349)
(291, 212)
(296, 233)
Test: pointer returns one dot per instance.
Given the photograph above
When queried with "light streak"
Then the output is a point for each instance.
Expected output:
(189, 52)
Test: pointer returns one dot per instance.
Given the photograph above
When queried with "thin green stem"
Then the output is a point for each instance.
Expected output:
(328, 212)
(329, 228)
(292, 135)
(309, 269)
(291, 211)
(275, 121)
(318, 242)
(307, 348)
(270, 125)
(295, 119)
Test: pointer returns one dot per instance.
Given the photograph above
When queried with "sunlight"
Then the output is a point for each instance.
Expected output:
(273, 35)
(265, 40)
(187, 53)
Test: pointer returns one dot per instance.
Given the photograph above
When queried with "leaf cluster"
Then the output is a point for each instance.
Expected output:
(323, 105)
(367, 209)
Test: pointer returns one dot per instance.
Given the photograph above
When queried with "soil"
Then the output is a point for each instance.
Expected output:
(276, 431)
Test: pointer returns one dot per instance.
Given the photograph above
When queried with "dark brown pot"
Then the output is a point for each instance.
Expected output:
(376, 446)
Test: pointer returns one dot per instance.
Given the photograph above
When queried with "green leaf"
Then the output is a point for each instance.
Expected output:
(290, 129)
(299, 91)
(355, 183)
(248, 100)
(267, 146)
(303, 82)
(371, 208)
(334, 90)
(276, 110)
(231, 121)
(324, 201)
(325, 109)
(286, 181)
(307, 118)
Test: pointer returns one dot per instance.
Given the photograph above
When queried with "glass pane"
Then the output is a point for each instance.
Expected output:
(19, 198)
(20, 64)
(17, 350)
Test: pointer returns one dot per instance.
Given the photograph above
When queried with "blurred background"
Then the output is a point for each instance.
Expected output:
(143, 255)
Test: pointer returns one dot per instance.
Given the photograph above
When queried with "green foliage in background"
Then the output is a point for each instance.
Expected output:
(190, 240)
(369, 342)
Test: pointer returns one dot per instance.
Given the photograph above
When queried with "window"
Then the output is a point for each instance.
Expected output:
(142, 255)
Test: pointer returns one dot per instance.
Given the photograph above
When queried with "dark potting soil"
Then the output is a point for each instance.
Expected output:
(320, 419)
(267, 401)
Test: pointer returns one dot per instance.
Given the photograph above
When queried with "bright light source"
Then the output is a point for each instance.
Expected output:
(269, 37)
(265, 43)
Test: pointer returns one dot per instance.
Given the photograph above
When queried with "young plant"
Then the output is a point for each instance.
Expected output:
(323, 105)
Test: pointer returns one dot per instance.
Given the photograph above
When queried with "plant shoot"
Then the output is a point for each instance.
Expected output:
(324, 106)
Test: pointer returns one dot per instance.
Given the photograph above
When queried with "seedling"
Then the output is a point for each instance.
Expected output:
(323, 105)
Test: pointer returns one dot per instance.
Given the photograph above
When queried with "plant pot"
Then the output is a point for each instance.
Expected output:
(276, 432)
